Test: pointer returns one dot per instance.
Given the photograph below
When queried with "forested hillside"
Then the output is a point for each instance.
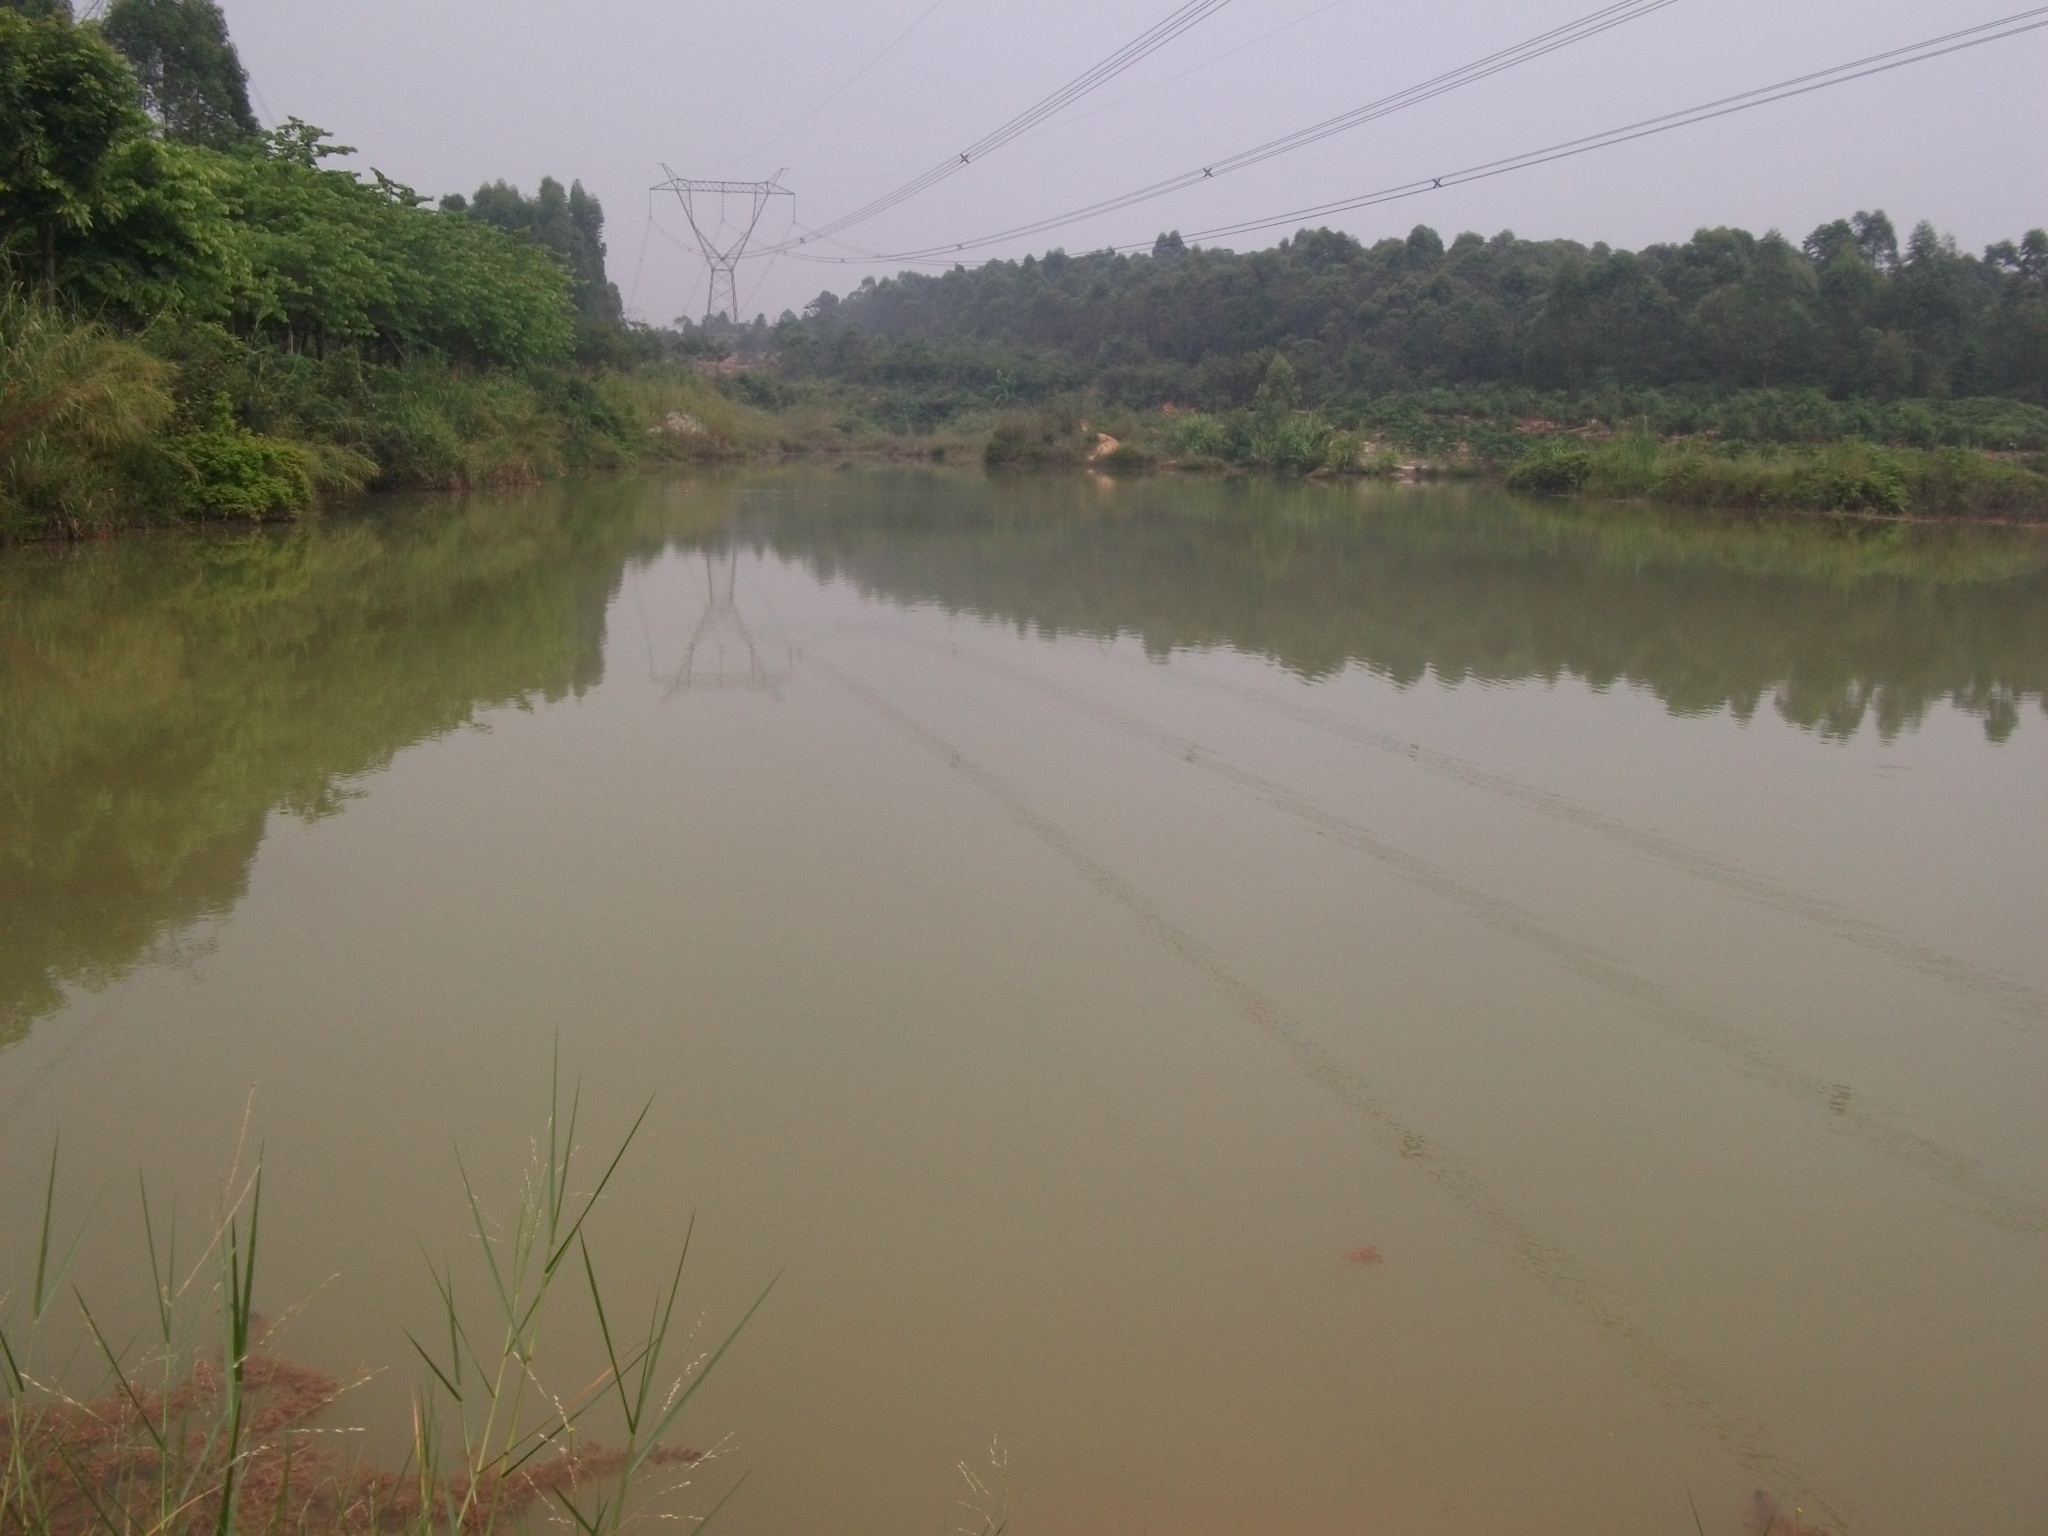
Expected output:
(1848, 311)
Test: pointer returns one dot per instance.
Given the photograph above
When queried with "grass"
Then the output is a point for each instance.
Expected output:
(203, 1431)
(189, 423)
(94, 436)
(1847, 476)
(76, 406)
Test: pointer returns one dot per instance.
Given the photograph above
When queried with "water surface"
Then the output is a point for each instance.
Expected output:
(1060, 921)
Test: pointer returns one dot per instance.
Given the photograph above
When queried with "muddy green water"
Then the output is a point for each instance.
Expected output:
(1058, 922)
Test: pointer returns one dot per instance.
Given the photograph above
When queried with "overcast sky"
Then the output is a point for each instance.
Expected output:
(445, 94)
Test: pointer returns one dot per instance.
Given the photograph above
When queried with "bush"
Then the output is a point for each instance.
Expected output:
(1954, 481)
(1554, 468)
(1198, 437)
(1848, 478)
(233, 472)
(1037, 440)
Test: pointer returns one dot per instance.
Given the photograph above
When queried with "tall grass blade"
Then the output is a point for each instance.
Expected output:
(555, 1259)
(604, 1328)
(440, 1375)
(159, 1288)
(113, 1359)
(17, 1383)
(705, 1524)
(668, 1416)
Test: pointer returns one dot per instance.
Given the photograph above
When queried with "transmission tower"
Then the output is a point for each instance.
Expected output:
(723, 215)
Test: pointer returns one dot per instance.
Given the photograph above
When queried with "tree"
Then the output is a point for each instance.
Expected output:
(1760, 329)
(192, 80)
(66, 100)
(570, 224)
(1279, 391)
(1876, 238)
(329, 258)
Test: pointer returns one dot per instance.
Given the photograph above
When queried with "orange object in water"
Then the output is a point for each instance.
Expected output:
(1365, 1255)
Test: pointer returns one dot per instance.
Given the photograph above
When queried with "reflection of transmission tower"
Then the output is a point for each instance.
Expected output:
(723, 216)
(722, 651)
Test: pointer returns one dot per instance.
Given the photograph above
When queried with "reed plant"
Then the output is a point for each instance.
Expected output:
(203, 1431)
(76, 405)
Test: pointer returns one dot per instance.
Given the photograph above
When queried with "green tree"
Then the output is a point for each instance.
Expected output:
(66, 100)
(568, 223)
(1760, 330)
(192, 80)
(1279, 391)
(325, 257)
(164, 240)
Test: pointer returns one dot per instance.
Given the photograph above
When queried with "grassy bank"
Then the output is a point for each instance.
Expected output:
(1847, 476)
(1539, 456)
(183, 422)
(187, 422)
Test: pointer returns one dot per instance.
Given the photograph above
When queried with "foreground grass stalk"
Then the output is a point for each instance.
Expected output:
(216, 1440)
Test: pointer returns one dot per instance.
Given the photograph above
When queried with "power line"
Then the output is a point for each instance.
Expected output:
(1842, 74)
(2015, 25)
(1591, 25)
(849, 82)
(1146, 43)
(1214, 58)
(633, 294)
(768, 271)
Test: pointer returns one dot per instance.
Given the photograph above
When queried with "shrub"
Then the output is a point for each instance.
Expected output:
(1037, 440)
(233, 472)
(1554, 468)
(1198, 437)
(1850, 477)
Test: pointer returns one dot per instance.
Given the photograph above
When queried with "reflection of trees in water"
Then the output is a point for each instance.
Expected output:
(1836, 625)
(161, 697)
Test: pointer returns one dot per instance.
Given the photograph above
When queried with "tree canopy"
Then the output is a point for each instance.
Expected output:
(192, 79)
(1847, 311)
(570, 224)
(66, 101)
(197, 215)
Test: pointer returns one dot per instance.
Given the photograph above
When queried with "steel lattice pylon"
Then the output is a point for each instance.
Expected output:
(722, 237)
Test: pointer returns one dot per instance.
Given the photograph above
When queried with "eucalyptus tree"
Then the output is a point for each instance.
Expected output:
(192, 79)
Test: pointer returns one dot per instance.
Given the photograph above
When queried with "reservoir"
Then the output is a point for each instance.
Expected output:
(1219, 1006)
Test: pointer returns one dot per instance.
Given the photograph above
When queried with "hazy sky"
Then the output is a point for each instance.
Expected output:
(445, 94)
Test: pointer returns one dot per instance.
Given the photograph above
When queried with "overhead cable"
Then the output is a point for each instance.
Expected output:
(1213, 59)
(2015, 25)
(849, 82)
(1592, 25)
(1158, 36)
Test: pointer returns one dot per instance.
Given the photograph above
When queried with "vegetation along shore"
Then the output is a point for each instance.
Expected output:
(203, 320)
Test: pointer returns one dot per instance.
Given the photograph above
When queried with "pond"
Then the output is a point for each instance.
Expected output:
(1228, 1006)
